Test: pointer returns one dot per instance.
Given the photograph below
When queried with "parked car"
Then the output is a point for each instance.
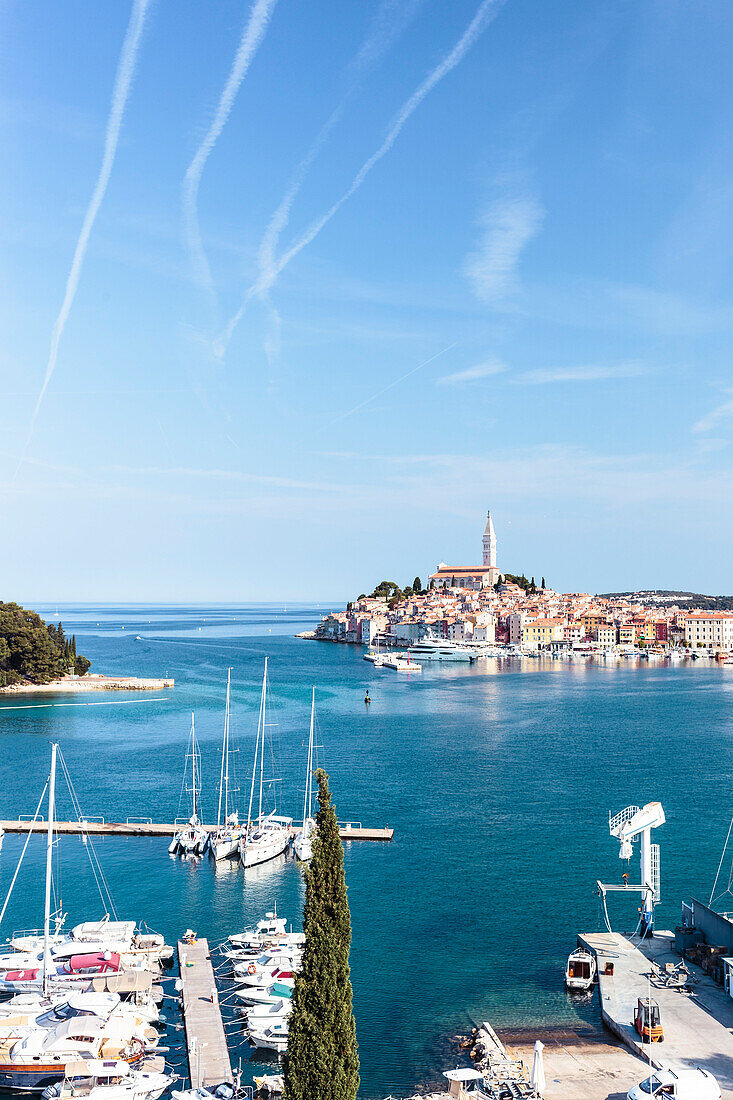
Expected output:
(682, 1084)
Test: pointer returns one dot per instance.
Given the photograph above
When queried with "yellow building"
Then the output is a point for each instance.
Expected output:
(540, 632)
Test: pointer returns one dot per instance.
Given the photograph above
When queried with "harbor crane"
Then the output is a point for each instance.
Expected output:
(628, 825)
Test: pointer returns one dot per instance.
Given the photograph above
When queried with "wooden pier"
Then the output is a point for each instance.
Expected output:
(349, 830)
(206, 1043)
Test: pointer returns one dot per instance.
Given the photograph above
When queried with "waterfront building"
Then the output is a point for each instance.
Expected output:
(539, 633)
(713, 629)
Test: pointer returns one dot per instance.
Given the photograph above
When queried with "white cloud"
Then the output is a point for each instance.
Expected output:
(473, 374)
(506, 228)
(579, 374)
(716, 416)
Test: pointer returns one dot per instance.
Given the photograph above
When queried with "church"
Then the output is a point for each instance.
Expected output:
(482, 576)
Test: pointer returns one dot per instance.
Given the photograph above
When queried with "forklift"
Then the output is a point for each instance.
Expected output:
(647, 1021)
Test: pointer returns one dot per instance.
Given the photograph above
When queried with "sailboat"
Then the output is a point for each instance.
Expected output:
(192, 839)
(225, 840)
(303, 843)
(268, 835)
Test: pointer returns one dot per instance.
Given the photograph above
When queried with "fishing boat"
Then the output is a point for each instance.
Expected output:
(580, 972)
(107, 1080)
(228, 833)
(303, 843)
(268, 835)
(192, 839)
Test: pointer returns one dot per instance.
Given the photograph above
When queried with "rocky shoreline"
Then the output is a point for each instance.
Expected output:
(90, 682)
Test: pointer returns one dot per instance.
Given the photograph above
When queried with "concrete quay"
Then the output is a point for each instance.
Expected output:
(98, 827)
(698, 1026)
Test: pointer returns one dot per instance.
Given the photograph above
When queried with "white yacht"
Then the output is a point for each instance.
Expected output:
(193, 839)
(431, 649)
(272, 1037)
(580, 972)
(303, 843)
(267, 835)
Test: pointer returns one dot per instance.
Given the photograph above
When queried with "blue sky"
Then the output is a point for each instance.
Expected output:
(352, 273)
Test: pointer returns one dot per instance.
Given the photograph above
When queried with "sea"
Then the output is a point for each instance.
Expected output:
(498, 779)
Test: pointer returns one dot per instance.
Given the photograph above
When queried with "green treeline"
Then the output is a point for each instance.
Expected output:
(33, 650)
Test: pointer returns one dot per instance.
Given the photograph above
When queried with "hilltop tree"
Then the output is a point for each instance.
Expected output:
(322, 1061)
(543, 583)
(417, 586)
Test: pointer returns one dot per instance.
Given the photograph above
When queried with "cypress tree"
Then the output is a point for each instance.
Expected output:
(417, 586)
(543, 583)
(322, 1062)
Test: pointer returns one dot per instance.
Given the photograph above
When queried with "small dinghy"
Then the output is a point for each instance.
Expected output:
(580, 972)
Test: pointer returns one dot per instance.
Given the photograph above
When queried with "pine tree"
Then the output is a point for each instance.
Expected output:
(322, 1062)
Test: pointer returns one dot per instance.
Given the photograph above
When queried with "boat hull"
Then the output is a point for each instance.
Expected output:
(262, 851)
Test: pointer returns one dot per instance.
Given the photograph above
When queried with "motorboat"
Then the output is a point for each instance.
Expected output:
(431, 649)
(261, 1015)
(265, 976)
(271, 927)
(268, 835)
(266, 994)
(223, 1091)
(225, 838)
(271, 1084)
(41, 1058)
(96, 1002)
(107, 1080)
(77, 969)
(284, 958)
(303, 842)
(19, 1019)
(272, 1037)
(105, 934)
(580, 971)
(192, 839)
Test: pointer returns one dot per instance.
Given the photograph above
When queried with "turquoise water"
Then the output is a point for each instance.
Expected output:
(498, 780)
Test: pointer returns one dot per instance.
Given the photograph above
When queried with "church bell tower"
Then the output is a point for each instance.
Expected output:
(489, 544)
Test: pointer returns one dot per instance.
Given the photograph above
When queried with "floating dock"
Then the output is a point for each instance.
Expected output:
(98, 827)
(206, 1045)
(697, 1020)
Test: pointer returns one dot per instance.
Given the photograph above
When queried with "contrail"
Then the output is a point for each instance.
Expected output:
(252, 35)
(391, 385)
(389, 23)
(486, 11)
(123, 80)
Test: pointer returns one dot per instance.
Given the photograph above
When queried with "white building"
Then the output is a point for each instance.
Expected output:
(712, 629)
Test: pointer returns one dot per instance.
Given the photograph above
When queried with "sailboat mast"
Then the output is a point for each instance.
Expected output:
(262, 743)
(308, 779)
(226, 735)
(257, 748)
(193, 764)
(49, 865)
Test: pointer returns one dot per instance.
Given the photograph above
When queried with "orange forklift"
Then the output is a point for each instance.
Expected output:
(647, 1021)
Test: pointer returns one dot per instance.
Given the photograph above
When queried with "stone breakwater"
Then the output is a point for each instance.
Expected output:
(91, 683)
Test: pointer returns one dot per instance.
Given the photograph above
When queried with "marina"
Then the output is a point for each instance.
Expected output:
(484, 723)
